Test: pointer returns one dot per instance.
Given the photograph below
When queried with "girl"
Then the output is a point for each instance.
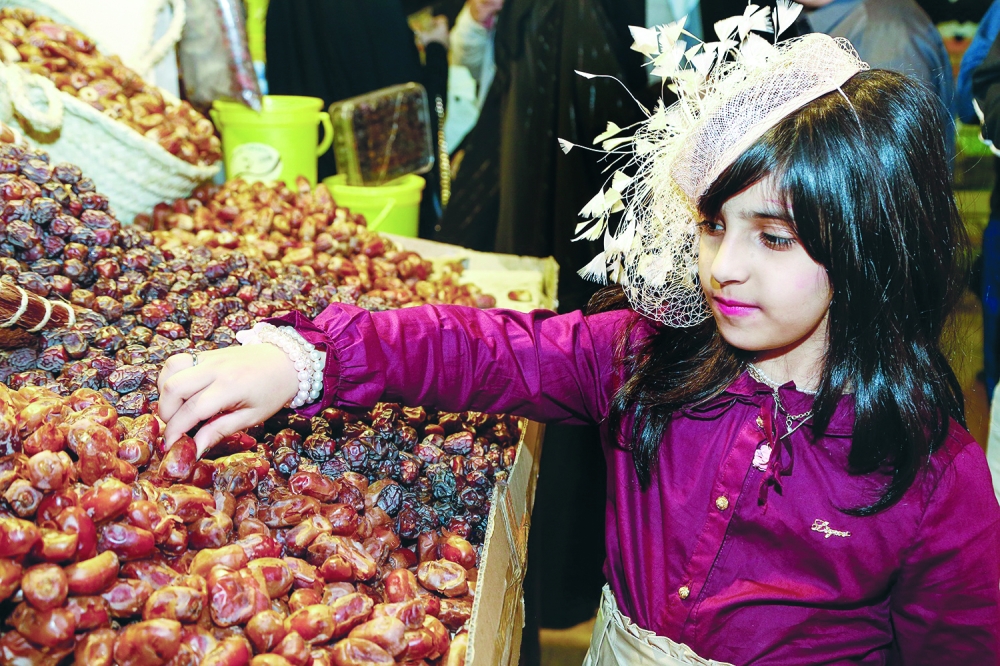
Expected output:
(789, 478)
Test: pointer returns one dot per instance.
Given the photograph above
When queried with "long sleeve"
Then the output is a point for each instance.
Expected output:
(974, 55)
(436, 72)
(469, 42)
(548, 367)
(945, 601)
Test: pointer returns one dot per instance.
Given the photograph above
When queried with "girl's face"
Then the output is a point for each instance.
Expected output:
(767, 294)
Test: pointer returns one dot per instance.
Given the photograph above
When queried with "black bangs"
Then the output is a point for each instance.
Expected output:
(754, 165)
(864, 170)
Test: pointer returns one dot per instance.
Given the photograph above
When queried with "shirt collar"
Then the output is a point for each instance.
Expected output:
(747, 390)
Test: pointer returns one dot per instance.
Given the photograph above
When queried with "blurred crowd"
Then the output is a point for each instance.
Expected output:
(502, 89)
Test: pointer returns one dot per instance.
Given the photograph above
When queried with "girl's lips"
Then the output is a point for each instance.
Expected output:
(731, 308)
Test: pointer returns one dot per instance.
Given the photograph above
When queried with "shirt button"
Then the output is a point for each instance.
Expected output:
(684, 592)
(760, 421)
(722, 504)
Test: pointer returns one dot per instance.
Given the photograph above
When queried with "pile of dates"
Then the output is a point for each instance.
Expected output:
(143, 296)
(70, 60)
(347, 538)
(47, 206)
(117, 550)
(304, 227)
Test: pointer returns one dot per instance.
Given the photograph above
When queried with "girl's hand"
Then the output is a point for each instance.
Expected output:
(230, 389)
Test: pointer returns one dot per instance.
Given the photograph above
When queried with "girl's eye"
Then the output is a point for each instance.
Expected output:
(777, 242)
(711, 227)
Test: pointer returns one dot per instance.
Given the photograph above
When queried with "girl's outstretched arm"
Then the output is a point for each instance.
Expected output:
(540, 365)
(549, 367)
(946, 600)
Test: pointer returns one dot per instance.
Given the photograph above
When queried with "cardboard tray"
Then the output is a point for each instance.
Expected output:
(498, 611)
(535, 280)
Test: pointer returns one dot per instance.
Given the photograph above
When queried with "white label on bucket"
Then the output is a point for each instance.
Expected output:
(255, 162)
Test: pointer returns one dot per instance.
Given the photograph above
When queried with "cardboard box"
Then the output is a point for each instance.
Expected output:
(498, 611)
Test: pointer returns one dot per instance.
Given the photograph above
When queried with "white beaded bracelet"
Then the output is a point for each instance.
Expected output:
(308, 361)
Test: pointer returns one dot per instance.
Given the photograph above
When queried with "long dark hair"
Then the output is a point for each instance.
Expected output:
(866, 175)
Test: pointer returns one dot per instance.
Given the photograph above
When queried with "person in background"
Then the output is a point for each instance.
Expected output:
(896, 35)
(472, 42)
(473, 66)
(516, 192)
(979, 48)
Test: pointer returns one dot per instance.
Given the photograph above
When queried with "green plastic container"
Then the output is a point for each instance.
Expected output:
(256, 26)
(279, 143)
(381, 136)
(393, 208)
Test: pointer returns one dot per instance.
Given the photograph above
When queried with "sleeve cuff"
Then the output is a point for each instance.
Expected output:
(354, 372)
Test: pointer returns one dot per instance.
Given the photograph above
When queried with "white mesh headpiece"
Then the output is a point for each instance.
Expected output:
(730, 93)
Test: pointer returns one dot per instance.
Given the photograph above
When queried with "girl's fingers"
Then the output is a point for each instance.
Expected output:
(251, 382)
(201, 406)
(222, 426)
(169, 381)
(173, 365)
(181, 387)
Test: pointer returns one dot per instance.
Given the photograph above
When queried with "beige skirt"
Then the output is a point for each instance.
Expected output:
(617, 641)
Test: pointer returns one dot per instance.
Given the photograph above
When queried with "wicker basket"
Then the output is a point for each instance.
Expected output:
(134, 172)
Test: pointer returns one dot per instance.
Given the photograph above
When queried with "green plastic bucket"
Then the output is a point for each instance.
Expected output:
(393, 208)
(279, 143)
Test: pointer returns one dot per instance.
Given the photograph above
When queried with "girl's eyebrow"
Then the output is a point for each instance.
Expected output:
(782, 216)
(778, 212)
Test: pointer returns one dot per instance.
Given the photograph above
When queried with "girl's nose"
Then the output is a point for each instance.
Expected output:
(731, 262)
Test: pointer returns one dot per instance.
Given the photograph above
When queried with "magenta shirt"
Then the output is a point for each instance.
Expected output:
(743, 565)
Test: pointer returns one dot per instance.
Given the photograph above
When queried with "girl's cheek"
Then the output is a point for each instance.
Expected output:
(810, 278)
(810, 291)
(804, 283)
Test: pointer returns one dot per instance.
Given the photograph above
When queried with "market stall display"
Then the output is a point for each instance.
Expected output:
(305, 228)
(343, 539)
(148, 295)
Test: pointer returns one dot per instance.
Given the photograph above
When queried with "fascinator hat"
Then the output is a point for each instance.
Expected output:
(729, 94)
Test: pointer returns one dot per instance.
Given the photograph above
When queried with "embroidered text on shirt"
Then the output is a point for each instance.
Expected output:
(823, 526)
